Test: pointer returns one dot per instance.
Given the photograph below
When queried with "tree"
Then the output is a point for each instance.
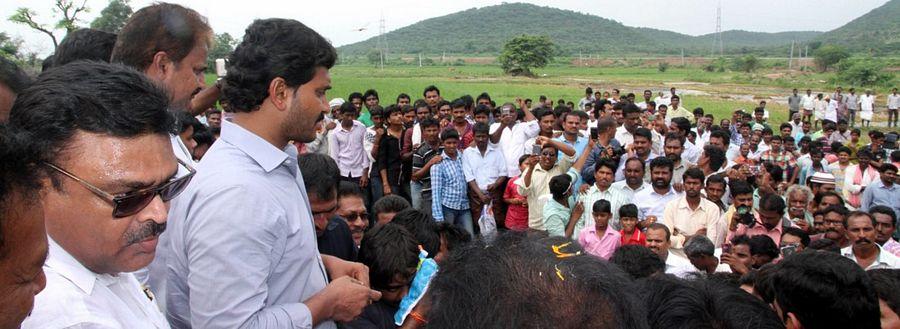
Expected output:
(65, 8)
(524, 52)
(223, 46)
(9, 47)
(828, 55)
(747, 63)
(374, 56)
(864, 72)
(113, 17)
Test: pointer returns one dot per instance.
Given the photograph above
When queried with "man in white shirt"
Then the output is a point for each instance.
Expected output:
(347, 147)
(485, 171)
(863, 249)
(893, 104)
(652, 202)
(866, 107)
(658, 241)
(587, 99)
(807, 102)
(661, 99)
(513, 135)
(647, 95)
(113, 172)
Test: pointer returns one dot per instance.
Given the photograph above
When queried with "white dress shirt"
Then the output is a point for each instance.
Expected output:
(347, 148)
(486, 169)
(75, 297)
(885, 260)
(650, 203)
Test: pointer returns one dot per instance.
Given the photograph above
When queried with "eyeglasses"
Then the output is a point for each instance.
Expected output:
(353, 216)
(128, 204)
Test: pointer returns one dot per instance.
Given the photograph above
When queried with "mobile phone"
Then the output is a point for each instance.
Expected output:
(220, 67)
(726, 248)
(788, 250)
(505, 110)
(536, 149)
(594, 132)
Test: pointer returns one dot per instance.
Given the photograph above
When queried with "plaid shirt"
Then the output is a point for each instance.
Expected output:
(782, 159)
(448, 186)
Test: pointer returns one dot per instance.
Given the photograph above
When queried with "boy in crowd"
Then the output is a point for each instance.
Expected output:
(600, 240)
(628, 218)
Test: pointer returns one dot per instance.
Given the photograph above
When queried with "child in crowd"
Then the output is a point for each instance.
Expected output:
(628, 217)
(517, 213)
(600, 240)
(392, 254)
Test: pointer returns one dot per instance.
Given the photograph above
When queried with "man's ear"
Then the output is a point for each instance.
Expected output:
(279, 93)
(160, 66)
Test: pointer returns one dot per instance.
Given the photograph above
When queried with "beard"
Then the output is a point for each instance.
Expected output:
(673, 157)
(300, 124)
(661, 183)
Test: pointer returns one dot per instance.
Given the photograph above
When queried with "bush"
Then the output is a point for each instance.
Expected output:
(748, 63)
(662, 66)
(524, 52)
(863, 72)
(828, 55)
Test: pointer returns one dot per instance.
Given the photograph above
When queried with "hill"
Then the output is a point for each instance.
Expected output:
(877, 31)
(485, 30)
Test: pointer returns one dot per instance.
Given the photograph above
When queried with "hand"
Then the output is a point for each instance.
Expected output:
(736, 265)
(650, 219)
(330, 126)
(701, 231)
(541, 140)
(337, 268)
(347, 297)
(386, 190)
(732, 225)
(679, 187)
(435, 160)
(379, 132)
(583, 188)
(485, 198)
(364, 181)
(532, 160)
(491, 187)
(802, 224)
(507, 119)
(578, 210)
(416, 147)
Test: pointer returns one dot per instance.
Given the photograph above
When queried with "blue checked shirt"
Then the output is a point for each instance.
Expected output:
(448, 186)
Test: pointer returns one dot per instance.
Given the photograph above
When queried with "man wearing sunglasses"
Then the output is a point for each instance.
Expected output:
(111, 172)
(243, 248)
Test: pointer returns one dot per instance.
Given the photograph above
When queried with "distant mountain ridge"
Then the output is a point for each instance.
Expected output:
(485, 30)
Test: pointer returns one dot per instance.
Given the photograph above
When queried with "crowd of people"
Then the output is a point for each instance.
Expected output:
(129, 200)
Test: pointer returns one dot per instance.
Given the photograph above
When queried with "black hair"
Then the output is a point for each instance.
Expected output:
(825, 244)
(355, 95)
(662, 162)
(348, 107)
(674, 136)
(390, 110)
(817, 199)
(740, 240)
(739, 187)
(204, 137)
(763, 245)
(887, 166)
(370, 92)
(457, 103)
(559, 185)
(481, 127)
(347, 190)
(628, 210)
(322, 175)
(390, 204)
(804, 237)
(431, 88)
(638, 261)
(184, 120)
(12, 76)
(483, 95)
(682, 123)
(19, 158)
(723, 135)
(388, 250)
(582, 115)
(826, 290)
(602, 207)
(167, 27)
(838, 209)
(455, 236)
(422, 226)
(716, 156)
(715, 179)
(92, 97)
(629, 109)
(449, 134)
(772, 202)
(607, 163)
(698, 246)
(521, 274)
(376, 110)
(402, 96)
(273, 48)
(429, 122)
(884, 210)
(84, 44)
(645, 133)
(886, 283)
(643, 165)
(694, 173)
(662, 227)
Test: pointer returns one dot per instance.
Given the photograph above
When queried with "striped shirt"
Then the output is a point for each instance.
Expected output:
(616, 197)
(448, 186)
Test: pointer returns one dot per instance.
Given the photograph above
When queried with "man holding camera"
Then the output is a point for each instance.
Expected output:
(766, 221)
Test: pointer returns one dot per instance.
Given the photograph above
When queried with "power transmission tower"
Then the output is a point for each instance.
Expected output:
(382, 44)
(717, 40)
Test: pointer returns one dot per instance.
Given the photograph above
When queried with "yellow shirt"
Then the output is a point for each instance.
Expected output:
(678, 215)
(538, 192)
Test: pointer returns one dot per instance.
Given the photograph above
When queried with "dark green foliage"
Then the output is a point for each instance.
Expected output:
(525, 52)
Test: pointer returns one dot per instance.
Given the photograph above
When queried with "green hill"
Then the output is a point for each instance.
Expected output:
(485, 30)
(877, 31)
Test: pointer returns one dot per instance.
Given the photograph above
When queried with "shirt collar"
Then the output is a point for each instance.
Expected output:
(682, 203)
(848, 252)
(447, 157)
(265, 154)
(70, 268)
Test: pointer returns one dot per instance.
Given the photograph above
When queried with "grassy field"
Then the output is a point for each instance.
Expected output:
(718, 93)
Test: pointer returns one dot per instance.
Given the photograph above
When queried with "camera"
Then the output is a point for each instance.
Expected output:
(745, 216)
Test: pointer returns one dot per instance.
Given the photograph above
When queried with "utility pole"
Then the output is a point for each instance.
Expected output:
(682, 57)
(381, 43)
(791, 59)
(420, 59)
(717, 41)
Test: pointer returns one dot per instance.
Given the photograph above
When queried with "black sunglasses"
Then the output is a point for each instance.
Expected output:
(128, 204)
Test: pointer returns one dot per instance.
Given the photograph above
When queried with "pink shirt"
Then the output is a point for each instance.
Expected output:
(600, 247)
(892, 247)
(758, 229)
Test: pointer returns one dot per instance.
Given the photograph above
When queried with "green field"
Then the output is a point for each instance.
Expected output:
(718, 93)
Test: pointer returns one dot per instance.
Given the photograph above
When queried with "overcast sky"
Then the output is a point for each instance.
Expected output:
(337, 20)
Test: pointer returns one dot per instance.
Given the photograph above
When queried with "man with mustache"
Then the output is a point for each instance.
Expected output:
(652, 202)
(885, 227)
(864, 250)
(835, 224)
(351, 206)
(111, 174)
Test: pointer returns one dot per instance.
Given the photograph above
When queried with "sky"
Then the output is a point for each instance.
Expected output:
(340, 20)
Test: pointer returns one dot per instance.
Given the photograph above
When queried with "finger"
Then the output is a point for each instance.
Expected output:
(374, 294)
(363, 276)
